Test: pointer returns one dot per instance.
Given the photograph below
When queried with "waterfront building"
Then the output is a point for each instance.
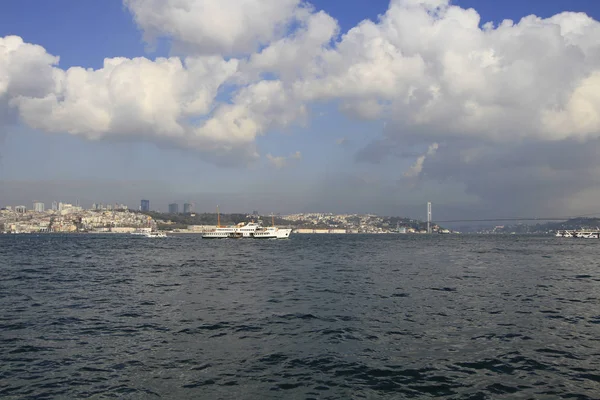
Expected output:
(38, 206)
(145, 205)
(173, 208)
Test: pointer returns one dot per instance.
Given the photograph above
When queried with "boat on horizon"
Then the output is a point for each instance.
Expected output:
(579, 234)
(155, 234)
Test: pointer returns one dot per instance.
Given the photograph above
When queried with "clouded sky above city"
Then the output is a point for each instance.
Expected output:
(293, 106)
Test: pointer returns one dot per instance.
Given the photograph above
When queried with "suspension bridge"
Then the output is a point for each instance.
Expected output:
(506, 219)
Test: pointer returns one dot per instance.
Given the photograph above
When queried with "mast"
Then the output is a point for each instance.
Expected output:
(218, 218)
(273, 220)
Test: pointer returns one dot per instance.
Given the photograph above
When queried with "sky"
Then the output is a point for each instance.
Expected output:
(485, 108)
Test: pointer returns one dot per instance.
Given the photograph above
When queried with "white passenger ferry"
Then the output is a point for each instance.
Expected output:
(582, 234)
(253, 230)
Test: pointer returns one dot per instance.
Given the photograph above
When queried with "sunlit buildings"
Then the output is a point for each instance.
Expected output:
(38, 206)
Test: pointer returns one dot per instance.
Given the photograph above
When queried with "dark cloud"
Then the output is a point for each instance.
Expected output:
(521, 179)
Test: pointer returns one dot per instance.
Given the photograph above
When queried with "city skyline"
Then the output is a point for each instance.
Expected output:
(488, 109)
(40, 206)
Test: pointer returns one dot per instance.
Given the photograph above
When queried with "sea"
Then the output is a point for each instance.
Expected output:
(312, 317)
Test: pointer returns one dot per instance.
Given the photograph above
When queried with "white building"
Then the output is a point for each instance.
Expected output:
(38, 206)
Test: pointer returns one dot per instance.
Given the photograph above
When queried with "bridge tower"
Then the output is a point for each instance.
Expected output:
(429, 217)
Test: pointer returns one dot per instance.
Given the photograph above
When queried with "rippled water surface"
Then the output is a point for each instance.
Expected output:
(323, 317)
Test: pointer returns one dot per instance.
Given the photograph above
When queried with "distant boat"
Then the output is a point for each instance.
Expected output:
(155, 235)
(582, 234)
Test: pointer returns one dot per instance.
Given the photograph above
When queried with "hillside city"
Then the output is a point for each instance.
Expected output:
(119, 218)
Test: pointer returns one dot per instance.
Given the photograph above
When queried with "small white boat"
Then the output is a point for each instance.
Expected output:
(155, 234)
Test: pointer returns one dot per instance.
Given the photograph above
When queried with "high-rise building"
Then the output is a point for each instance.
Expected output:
(54, 206)
(38, 206)
(145, 206)
(173, 208)
(188, 208)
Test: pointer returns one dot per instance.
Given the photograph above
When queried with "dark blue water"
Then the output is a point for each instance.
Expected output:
(323, 317)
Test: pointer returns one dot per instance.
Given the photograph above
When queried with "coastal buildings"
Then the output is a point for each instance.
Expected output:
(145, 206)
(112, 218)
(72, 219)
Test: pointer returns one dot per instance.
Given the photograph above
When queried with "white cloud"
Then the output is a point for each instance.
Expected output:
(25, 70)
(151, 100)
(425, 65)
(277, 162)
(416, 169)
(429, 65)
(296, 56)
(216, 26)
(280, 162)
